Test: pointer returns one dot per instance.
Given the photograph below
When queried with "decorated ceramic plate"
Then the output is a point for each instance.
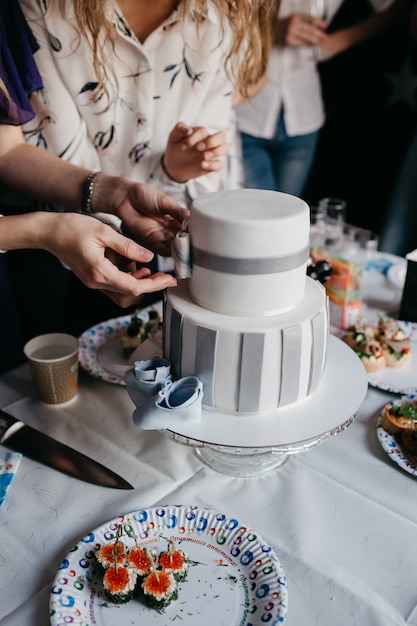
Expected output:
(394, 450)
(234, 577)
(401, 380)
(101, 351)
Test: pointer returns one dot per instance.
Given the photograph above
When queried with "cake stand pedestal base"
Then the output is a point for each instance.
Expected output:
(242, 463)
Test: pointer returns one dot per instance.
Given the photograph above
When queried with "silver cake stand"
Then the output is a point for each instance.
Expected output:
(251, 446)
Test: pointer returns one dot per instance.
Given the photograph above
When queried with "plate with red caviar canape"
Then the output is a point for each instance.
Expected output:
(170, 564)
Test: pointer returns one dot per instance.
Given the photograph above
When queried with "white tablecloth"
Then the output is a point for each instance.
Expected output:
(342, 517)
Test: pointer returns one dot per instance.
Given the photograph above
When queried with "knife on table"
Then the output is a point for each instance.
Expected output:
(19, 437)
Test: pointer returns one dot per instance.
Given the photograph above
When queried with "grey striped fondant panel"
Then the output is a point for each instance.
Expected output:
(252, 351)
(205, 361)
(318, 332)
(291, 360)
(175, 340)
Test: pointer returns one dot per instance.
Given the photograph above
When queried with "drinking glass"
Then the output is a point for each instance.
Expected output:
(334, 210)
(316, 8)
(317, 227)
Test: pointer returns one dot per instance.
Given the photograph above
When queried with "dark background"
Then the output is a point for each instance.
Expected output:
(370, 99)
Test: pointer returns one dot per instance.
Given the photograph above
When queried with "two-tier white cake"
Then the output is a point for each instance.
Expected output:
(249, 323)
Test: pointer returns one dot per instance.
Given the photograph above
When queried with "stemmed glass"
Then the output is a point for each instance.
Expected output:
(317, 8)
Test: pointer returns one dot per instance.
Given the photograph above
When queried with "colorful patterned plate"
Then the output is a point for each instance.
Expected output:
(393, 448)
(101, 352)
(402, 380)
(234, 577)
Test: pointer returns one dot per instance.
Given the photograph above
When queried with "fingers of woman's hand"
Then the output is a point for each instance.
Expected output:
(159, 239)
(199, 154)
(167, 206)
(198, 134)
(120, 247)
(216, 153)
(212, 165)
(146, 284)
(150, 201)
(180, 131)
(156, 282)
(212, 142)
(305, 30)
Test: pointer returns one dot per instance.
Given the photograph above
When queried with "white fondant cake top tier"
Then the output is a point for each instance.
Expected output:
(249, 251)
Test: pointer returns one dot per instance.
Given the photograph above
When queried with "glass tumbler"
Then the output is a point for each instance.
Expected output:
(334, 210)
(317, 227)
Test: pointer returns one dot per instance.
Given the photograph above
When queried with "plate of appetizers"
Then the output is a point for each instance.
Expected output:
(106, 348)
(170, 564)
(397, 433)
(387, 350)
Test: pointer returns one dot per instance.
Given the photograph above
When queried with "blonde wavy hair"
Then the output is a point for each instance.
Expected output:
(249, 21)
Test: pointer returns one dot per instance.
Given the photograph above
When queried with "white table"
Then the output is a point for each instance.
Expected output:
(342, 517)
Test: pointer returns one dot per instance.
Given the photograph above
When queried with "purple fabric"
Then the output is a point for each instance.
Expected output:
(18, 70)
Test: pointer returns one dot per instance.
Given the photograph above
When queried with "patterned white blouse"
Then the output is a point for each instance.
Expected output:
(176, 75)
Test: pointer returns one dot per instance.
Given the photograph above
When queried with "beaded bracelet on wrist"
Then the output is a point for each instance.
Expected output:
(87, 193)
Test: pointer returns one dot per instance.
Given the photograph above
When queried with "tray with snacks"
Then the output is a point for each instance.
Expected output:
(397, 432)
(107, 349)
(386, 350)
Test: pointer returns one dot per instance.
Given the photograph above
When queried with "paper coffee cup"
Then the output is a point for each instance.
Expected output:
(53, 359)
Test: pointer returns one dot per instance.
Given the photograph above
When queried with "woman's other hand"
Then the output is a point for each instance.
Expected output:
(102, 258)
(193, 152)
(300, 29)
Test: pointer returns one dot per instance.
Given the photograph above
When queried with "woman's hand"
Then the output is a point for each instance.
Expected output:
(300, 29)
(151, 216)
(193, 152)
(101, 257)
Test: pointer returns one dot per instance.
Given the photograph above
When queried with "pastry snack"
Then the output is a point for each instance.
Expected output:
(400, 420)
(394, 342)
(361, 338)
(138, 571)
(111, 553)
(175, 561)
(119, 583)
(139, 561)
(139, 330)
(380, 346)
(159, 587)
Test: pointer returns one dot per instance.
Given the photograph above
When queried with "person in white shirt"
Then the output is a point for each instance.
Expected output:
(102, 258)
(280, 125)
(144, 89)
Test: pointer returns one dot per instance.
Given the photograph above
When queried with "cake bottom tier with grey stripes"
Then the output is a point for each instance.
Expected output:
(248, 365)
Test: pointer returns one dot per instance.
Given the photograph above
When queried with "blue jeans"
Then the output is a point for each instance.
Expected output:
(281, 163)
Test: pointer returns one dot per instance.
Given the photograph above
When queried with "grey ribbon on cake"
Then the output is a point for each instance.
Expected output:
(185, 255)
(249, 267)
